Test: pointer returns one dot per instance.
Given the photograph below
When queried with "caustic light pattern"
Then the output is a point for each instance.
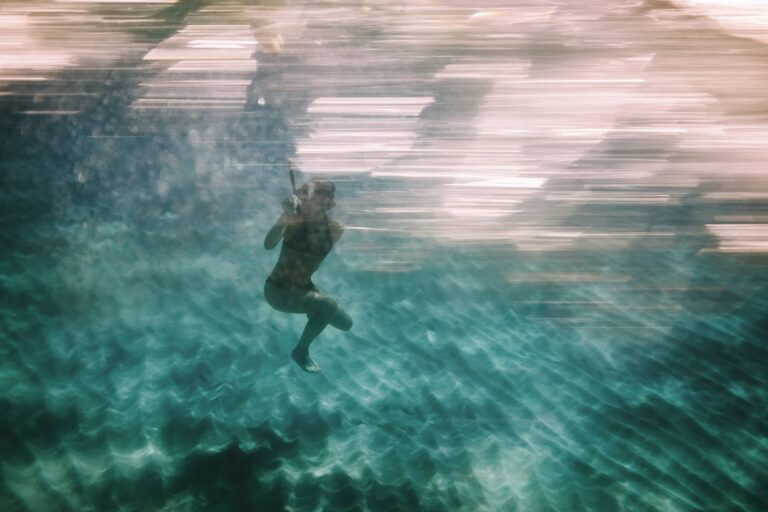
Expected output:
(556, 222)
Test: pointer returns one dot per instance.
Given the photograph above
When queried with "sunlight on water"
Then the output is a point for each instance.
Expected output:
(747, 18)
(556, 219)
(206, 67)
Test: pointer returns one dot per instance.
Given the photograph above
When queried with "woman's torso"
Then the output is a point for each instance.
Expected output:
(305, 246)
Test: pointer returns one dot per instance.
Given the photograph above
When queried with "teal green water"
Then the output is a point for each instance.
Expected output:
(142, 370)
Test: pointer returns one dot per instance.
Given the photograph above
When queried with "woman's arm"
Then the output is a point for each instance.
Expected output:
(276, 233)
(290, 211)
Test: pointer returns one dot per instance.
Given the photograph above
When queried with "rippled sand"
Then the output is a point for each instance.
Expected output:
(554, 257)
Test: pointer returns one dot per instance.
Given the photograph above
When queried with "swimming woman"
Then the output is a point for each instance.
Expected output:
(308, 235)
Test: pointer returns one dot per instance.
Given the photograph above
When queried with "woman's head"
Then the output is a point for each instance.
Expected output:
(318, 194)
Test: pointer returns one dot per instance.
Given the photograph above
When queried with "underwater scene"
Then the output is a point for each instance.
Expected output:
(538, 231)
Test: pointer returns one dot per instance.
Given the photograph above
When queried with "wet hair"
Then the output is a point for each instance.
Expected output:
(315, 187)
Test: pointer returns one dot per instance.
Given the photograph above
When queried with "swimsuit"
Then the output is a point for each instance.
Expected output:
(298, 239)
(310, 286)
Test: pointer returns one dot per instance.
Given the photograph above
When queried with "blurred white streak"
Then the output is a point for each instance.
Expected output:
(50, 112)
(568, 277)
(745, 18)
(609, 197)
(22, 78)
(365, 228)
(116, 1)
(475, 212)
(396, 106)
(525, 132)
(188, 103)
(494, 124)
(224, 65)
(740, 238)
(741, 219)
(46, 36)
(511, 182)
(736, 196)
(222, 44)
(20, 47)
(356, 134)
(198, 54)
(211, 66)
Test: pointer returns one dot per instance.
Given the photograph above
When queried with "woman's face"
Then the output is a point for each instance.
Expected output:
(322, 200)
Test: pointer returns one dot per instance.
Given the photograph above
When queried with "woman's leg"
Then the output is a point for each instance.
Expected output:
(321, 310)
(300, 352)
(341, 319)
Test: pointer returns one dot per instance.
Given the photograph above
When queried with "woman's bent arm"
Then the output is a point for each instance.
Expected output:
(275, 234)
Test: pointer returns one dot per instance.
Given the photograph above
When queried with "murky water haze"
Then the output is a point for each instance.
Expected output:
(554, 256)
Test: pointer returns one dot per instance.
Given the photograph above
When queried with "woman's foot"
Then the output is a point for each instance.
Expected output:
(302, 359)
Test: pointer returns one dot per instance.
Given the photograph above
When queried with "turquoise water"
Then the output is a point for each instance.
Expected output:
(143, 370)
(488, 369)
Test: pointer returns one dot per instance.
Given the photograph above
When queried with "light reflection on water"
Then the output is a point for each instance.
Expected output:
(590, 174)
(623, 103)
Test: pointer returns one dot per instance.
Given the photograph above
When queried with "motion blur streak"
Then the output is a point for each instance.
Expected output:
(555, 255)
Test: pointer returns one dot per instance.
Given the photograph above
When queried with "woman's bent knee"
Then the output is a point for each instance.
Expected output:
(342, 320)
(325, 307)
(330, 311)
(347, 325)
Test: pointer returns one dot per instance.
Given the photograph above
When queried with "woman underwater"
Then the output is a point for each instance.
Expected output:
(308, 235)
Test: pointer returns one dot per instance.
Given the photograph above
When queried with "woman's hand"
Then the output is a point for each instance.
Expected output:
(291, 205)
(289, 217)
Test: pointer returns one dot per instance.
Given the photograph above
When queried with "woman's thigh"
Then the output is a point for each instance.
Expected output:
(299, 300)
